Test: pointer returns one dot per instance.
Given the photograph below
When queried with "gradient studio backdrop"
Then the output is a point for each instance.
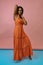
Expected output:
(33, 12)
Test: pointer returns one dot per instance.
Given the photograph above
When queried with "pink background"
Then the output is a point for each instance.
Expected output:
(33, 12)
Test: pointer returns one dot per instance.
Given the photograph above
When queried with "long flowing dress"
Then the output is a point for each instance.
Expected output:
(22, 44)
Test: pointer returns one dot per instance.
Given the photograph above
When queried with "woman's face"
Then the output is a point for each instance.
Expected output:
(19, 11)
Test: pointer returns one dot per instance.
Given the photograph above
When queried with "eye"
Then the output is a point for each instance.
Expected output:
(20, 9)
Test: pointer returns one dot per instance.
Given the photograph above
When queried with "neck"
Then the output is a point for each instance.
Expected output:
(20, 16)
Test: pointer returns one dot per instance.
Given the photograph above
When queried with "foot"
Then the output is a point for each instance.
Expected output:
(19, 59)
(30, 58)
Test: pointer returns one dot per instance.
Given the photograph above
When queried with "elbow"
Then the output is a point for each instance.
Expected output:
(25, 23)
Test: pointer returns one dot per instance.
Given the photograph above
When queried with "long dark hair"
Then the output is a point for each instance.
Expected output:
(17, 8)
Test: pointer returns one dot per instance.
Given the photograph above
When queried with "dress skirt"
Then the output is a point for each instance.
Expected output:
(22, 44)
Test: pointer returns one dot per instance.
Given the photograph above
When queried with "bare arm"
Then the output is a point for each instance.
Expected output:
(15, 9)
(24, 21)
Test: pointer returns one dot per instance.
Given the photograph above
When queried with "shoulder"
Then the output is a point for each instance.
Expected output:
(15, 17)
(23, 18)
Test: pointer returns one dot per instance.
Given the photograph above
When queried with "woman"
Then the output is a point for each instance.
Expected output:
(22, 44)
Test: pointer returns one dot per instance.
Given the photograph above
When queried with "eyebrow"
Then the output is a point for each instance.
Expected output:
(20, 10)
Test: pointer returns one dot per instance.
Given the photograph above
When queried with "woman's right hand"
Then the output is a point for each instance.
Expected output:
(16, 7)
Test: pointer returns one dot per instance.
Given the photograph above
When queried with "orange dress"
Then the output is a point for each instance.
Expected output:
(22, 44)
